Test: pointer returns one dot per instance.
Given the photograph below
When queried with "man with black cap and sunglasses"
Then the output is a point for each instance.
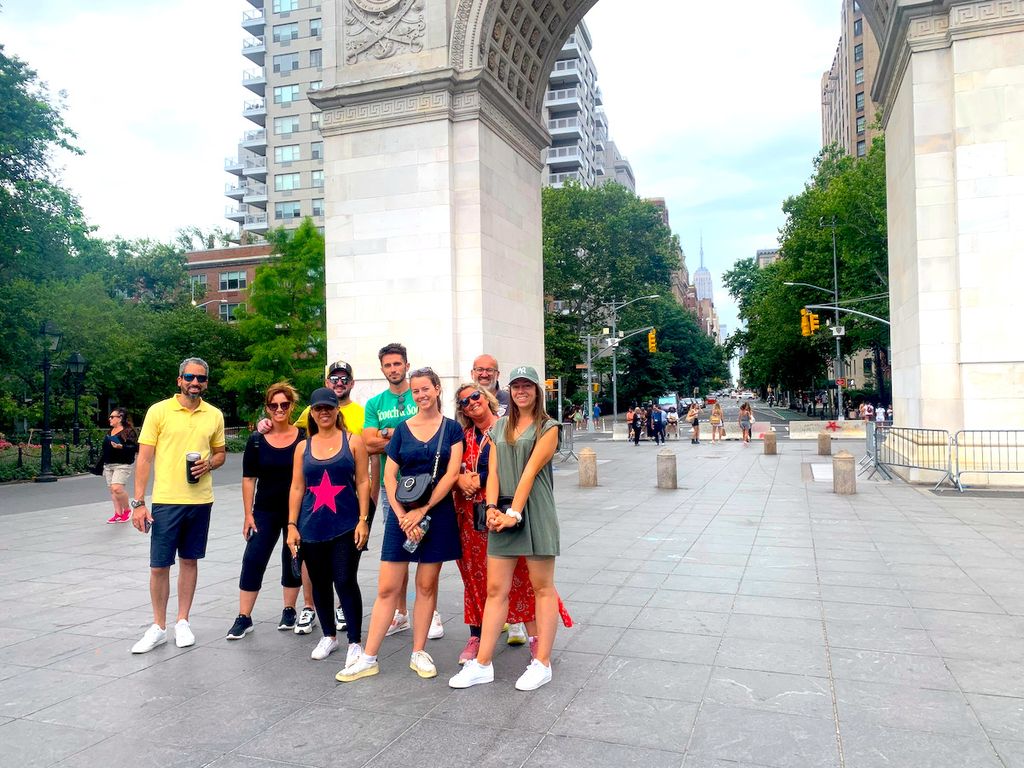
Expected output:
(339, 379)
(183, 438)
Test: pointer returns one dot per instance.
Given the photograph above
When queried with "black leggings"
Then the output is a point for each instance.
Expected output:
(260, 547)
(333, 565)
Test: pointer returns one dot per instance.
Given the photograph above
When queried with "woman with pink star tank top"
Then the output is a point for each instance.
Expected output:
(328, 517)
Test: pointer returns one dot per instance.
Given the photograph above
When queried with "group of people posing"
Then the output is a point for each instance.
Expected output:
(477, 490)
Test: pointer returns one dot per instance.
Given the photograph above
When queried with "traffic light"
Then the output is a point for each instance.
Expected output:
(813, 322)
(805, 323)
(596, 387)
(652, 341)
(549, 385)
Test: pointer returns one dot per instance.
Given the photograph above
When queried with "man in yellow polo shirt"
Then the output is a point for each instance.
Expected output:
(180, 514)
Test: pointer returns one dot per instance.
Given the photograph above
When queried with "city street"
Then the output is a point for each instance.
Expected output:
(747, 619)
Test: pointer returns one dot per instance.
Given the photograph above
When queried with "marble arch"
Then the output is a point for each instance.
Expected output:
(433, 138)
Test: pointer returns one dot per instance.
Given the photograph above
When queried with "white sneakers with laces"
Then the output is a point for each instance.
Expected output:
(399, 623)
(534, 677)
(324, 648)
(154, 636)
(183, 636)
(361, 667)
(355, 650)
(422, 664)
(472, 673)
(436, 631)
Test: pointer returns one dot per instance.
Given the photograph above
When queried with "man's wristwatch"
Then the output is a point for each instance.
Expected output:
(136, 503)
(517, 516)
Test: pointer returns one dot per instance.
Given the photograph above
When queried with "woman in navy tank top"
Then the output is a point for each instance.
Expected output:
(328, 517)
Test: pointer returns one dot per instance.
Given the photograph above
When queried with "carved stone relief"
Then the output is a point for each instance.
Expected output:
(380, 29)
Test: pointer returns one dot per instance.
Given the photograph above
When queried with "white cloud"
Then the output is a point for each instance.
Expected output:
(154, 93)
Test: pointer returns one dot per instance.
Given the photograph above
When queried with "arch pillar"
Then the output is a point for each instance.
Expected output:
(433, 224)
(951, 82)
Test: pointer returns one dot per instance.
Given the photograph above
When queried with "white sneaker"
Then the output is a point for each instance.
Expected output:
(516, 634)
(534, 677)
(154, 636)
(324, 648)
(473, 673)
(399, 623)
(183, 636)
(436, 631)
(421, 663)
(361, 667)
(355, 650)
(307, 618)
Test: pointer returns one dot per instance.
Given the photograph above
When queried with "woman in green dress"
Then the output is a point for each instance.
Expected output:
(524, 442)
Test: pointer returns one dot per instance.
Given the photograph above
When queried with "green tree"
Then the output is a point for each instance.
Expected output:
(42, 226)
(283, 326)
(852, 191)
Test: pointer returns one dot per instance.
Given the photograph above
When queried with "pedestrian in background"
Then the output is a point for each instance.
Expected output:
(746, 421)
(120, 446)
(637, 424)
(717, 421)
(693, 418)
(182, 439)
(267, 465)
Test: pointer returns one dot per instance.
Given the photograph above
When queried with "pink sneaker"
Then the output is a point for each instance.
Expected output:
(116, 518)
(470, 651)
(533, 647)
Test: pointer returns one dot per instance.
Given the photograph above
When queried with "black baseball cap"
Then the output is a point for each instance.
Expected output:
(323, 396)
(339, 365)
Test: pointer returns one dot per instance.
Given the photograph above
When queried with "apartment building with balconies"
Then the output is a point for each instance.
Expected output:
(847, 111)
(279, 169)
(580, 149)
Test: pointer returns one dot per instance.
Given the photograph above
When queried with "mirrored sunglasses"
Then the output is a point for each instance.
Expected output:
(464, 401)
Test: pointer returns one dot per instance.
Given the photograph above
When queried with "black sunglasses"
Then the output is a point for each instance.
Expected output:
(279, 406)
(339, 379)
(200, 377)
(464, 401)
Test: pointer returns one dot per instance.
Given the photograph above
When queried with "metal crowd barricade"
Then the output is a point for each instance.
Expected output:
(913, 448)
(567, 441)
(987, 451)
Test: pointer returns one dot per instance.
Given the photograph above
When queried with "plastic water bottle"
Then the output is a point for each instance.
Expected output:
(410, 545)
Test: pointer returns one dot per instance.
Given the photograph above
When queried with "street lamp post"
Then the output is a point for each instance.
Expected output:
(615, 306)
(51, 340)
(835, 305)
(76, 367)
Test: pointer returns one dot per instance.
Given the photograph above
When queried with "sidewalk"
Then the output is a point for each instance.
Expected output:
(747, 619)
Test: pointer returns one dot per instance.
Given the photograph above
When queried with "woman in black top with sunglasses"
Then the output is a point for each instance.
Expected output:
(266, 479)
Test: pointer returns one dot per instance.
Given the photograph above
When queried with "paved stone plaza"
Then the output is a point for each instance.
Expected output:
(750, 618)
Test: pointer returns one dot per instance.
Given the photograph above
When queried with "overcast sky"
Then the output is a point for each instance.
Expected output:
(719, 114)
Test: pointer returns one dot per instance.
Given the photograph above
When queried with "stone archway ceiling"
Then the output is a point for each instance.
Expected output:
(519, 40)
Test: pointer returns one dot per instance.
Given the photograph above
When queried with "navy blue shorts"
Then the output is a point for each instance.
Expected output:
(181, 528)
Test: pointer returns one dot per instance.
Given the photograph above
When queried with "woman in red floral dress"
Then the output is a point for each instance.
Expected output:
(477, 411)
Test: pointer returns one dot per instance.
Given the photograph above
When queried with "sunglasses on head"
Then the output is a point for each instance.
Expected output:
(339, 379)
(464, 401)
(200, 377)
(279, 406)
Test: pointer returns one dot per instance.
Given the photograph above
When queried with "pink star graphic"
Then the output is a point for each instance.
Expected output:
(324, 494)
(832, 427)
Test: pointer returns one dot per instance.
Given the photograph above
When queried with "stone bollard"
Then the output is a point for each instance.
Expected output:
(588, 468)
(769, 444)
(824, 444)
(844, 474)
(667, 469)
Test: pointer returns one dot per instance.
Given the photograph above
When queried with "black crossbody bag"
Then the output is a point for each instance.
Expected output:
(414, 491)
